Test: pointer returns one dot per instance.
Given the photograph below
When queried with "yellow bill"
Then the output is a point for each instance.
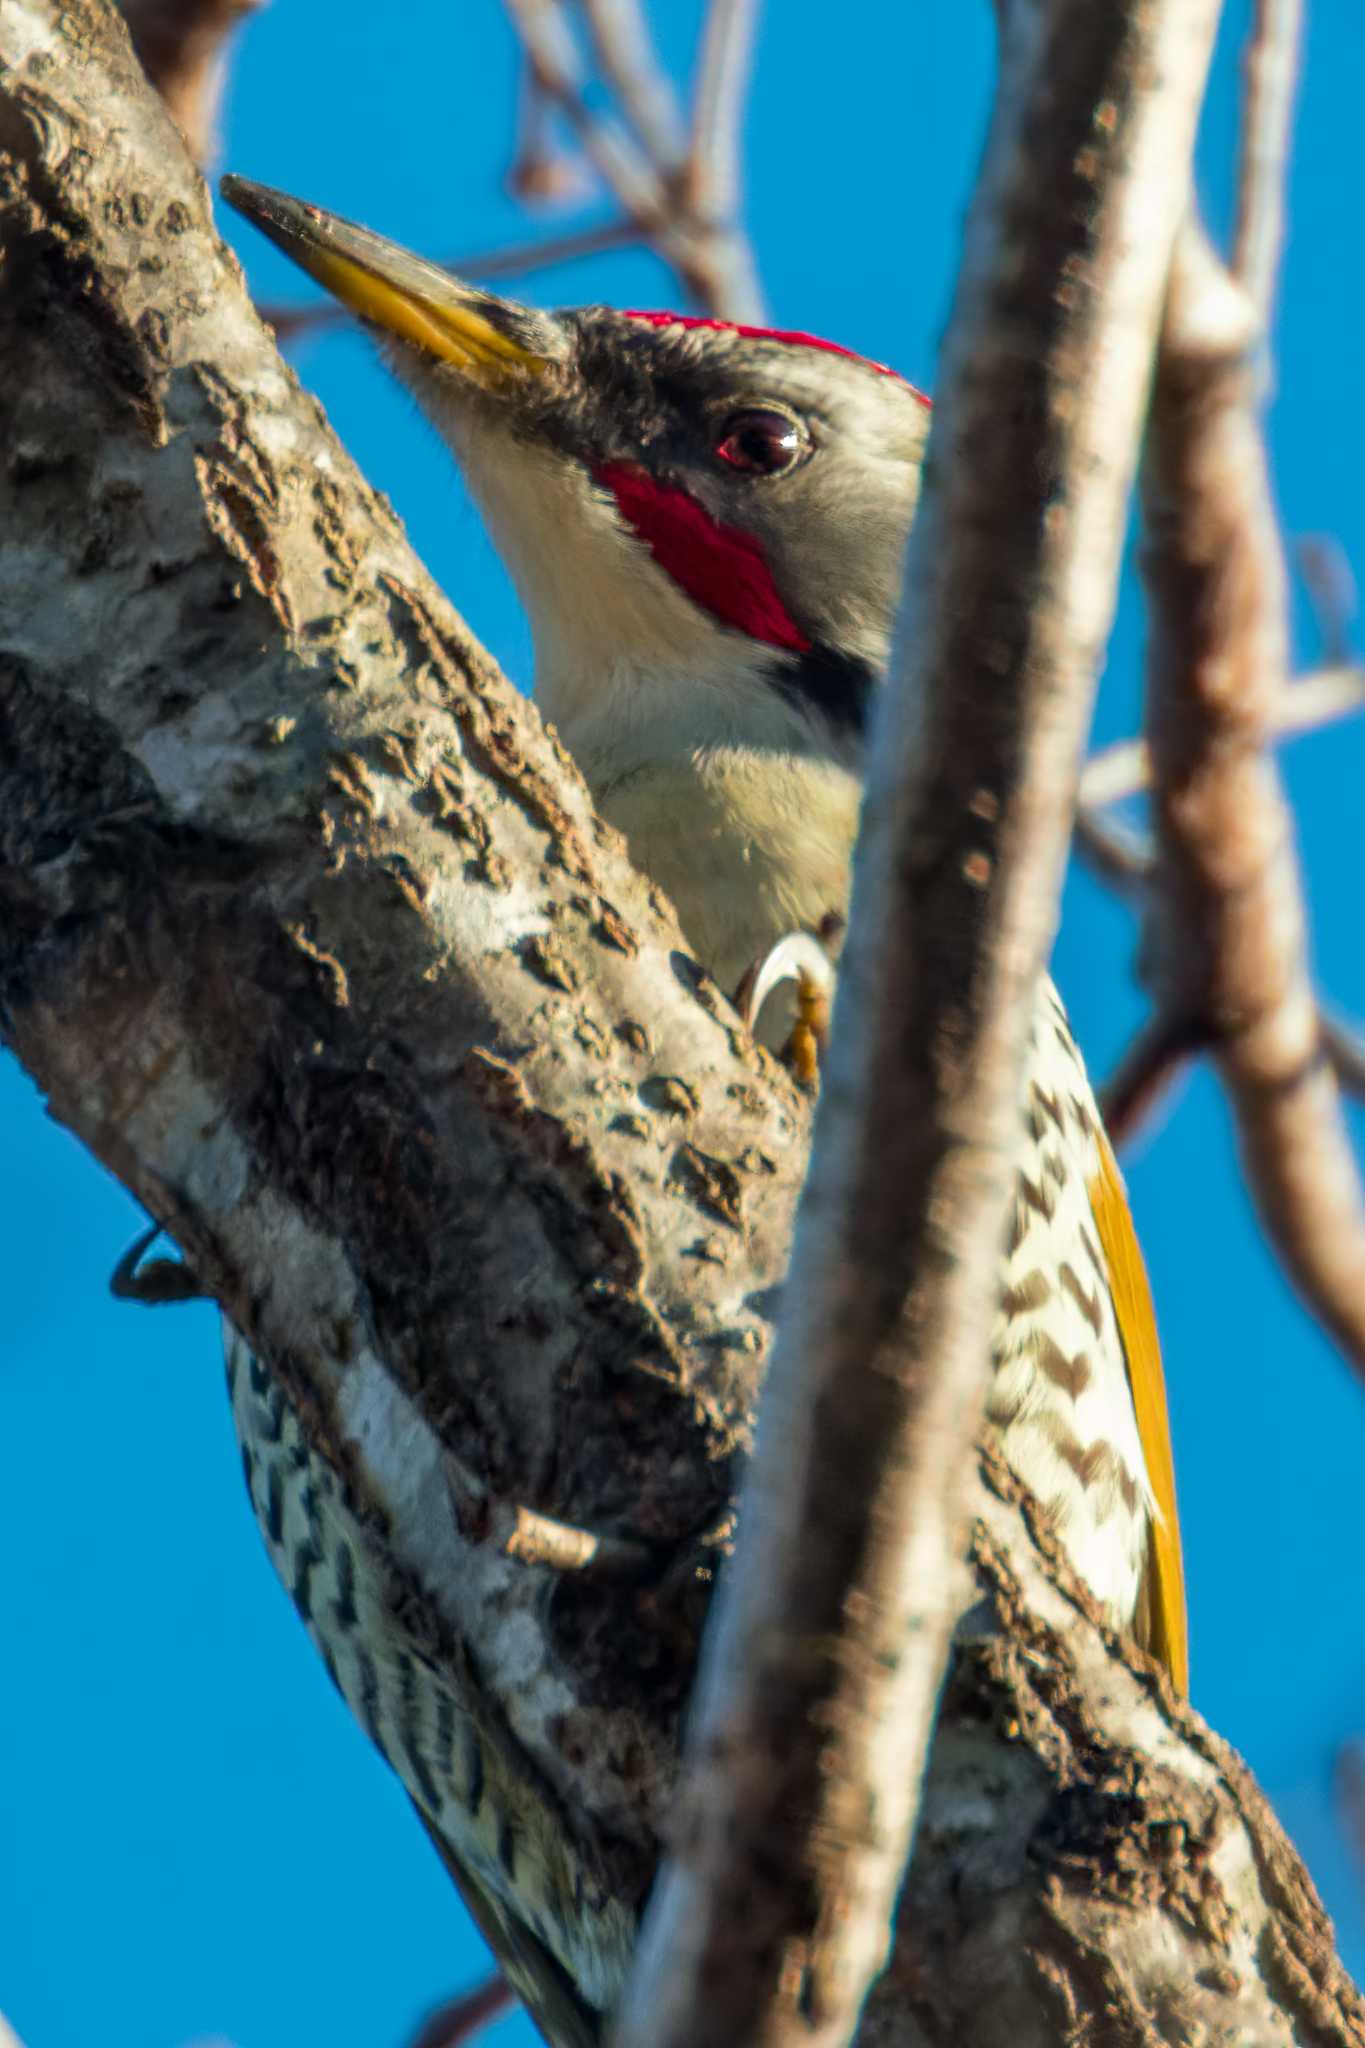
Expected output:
(489, 338)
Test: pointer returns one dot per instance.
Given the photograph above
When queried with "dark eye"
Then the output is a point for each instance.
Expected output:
(761, 442)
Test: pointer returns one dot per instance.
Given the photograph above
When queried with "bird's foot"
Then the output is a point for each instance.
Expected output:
(805, 960)
(156, 1284)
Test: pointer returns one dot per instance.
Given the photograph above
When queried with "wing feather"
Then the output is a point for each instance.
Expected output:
(1161, 1622)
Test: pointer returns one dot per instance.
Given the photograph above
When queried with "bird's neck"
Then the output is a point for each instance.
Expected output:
(732, 794)
(623, 712)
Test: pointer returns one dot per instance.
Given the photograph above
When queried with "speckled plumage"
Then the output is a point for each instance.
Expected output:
(1060, 1400)
(562, 1941)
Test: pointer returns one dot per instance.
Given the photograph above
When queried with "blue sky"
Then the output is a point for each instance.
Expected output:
(199, 1846)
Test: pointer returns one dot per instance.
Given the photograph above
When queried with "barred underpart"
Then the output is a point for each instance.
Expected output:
(562, 1942)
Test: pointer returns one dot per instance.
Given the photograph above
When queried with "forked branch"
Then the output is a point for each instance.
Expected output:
(674, 183)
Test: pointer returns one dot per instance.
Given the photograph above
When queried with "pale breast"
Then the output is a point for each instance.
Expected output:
(749, 847)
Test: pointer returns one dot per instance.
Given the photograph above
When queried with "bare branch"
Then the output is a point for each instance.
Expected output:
(390, 920)
(1349, 1783)
(463, 2018)
(1143, 1078)
(1117, 853)
(625, 57)
(558, 73)
(713, 173)
(707, 250)
(709, 254)
(1271, 66)
(823, 1667)
(1332, 590)
(543, 172)
(1231, 927)
(1345, 1048)
(1125, 768)
(718, 265)
(183, 47)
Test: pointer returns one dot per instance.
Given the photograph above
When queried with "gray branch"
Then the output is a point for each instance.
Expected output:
(306, 929)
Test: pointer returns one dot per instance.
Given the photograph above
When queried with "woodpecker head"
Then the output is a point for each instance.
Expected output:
(686, 507)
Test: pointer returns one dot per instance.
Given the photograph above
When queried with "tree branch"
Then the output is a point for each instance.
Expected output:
(718, 107)
(557, 71)
(307, 929)
(1307, 705)
(685, 210)
(1148, 1070)
(462, 2019)
(1271, 64)
(1230, 929)
(718, 266)
(824, 1665)
(626, 60)
(1346, 1050)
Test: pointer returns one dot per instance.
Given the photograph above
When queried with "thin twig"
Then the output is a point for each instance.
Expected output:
(718, 265)
(1349, 1785)
(625, 57)
(709, 253)
(1331, 590)
(718, 107)
(463, 2018)
(517, 261)
(1117, 853)
(158, 1284)
(1345, 1047)
(558, 72)
(536, 1539)
(542, 173)
(1145, 1075)
(823, 1664)
(705, 248)
(1271, 65)
(1125, 768)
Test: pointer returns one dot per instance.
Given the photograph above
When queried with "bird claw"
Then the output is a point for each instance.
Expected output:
(801, 959)
(155, 1285)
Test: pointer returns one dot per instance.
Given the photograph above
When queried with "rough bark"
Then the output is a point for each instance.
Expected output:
(307, 930)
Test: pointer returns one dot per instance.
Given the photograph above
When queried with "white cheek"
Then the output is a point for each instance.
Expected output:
(626, 663)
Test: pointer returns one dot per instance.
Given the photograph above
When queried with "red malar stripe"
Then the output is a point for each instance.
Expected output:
(721, 568)
(792, 335)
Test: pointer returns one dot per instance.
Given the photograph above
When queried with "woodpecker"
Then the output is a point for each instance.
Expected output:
(706, 524)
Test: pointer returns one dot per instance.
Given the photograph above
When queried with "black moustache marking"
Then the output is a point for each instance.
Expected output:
(834, 688)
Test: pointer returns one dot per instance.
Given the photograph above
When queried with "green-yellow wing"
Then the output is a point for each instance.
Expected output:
(1160, 1624)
